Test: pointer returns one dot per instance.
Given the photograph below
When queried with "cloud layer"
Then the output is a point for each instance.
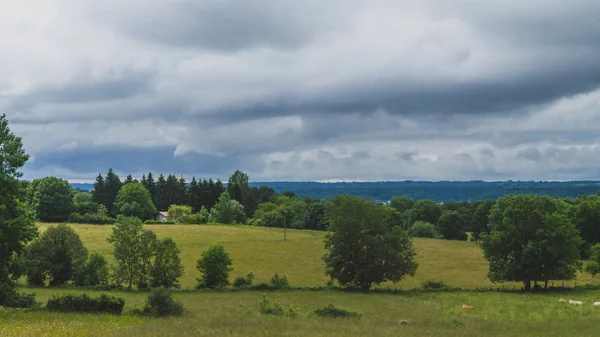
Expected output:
(287, 90)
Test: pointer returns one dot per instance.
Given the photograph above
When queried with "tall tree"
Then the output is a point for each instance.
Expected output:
(160, 193)
(129, 180)
(113, 185)
(170, 195)
(239, 190)
(194, 195)
(99, 192)
(134, 199)
(53, 200)
(531, 240)
(17, 227)
(362, 251)
(150, 185)
(181, 195)
(451, 226)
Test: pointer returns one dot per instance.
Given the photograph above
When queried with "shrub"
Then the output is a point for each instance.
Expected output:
(591, 267)
(241, 281)
(105, 303)
(331, 311)
(275, 308)
(194, 219)
(94, 219)
(94, 272)
(158, 222)
(10, 298)
(433, 285)
(422, 229)
(279, 282)
(160, 303)
(215, 265)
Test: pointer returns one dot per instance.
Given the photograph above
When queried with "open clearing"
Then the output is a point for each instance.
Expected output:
(263, 251)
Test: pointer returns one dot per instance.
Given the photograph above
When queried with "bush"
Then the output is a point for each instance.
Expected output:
(93, 219)
(194, 219)
(94, 272)
(158, 222)
(422, 229)
(279, 282)
(331, 311)
(10, 298)
(275, 308)
(105, 303)
(433, 285)
(591, 267)
(241, 281)
(215, 265)
(160, 303)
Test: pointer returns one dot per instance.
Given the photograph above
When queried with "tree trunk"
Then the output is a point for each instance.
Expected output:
(527, 285)
(546, 284)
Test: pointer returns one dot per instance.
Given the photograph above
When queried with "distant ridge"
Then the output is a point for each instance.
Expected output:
(437, 190)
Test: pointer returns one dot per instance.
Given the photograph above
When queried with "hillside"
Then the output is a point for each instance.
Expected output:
(439, 191)
(263, 251)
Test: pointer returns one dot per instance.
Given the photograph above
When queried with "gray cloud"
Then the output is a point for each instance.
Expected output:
(306, 90)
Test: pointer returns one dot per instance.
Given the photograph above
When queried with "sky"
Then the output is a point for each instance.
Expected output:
(304, 90)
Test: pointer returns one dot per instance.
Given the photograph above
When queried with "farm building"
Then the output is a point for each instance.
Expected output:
(162, 216)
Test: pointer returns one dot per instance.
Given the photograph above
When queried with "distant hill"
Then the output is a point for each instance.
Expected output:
(439, 191)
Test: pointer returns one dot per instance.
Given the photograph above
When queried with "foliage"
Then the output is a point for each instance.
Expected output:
(178, 212)
(82, 197)
(158, 222)
(591, 267)
(530, 240)
(160, 303)
(133, 199)
(241, 281)
(479, 222)
(105, 303)
(167, 268)
(52, 199)
(402, 204)
(276, 309)
(425, 210)
(587, 219)
(214, 265)
(451, 226)
(228, 211)
(433, 285)
(422, 229)
(92, 219)
(278, 282)
(56, 255)
(331, 311)
(196, 219)
(10, 298)
(130, 242)
(393, 218)
(362, 251)
(315, 217)
(94, 272)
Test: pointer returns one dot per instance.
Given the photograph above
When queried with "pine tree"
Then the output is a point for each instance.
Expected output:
(150, 185)
(113, 184)
(159, 193)
(129, 180)
(194, 195)
(181, 192)
(99, 192)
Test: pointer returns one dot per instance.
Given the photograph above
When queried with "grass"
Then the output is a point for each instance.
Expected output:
(263, 251)
(238, 314)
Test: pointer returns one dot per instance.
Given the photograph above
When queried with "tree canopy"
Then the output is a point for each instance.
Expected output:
(134, 199)
(52, 199)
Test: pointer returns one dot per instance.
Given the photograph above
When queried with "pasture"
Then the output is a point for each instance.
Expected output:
(263, 251)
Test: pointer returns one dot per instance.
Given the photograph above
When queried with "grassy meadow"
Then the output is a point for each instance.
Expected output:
(263, 251)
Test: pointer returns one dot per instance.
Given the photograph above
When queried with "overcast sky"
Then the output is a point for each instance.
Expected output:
(305, 90)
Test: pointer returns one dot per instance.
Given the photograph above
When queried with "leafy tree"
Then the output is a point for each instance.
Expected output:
(134, 199)
(177, 212)
(167, 268)
(214, 265)
(421, 229)
(393, 218)
(53, 200)
(592, 266)
(587, 219)
(148, 250)
(81, 197)
(17, 227)
(425, 210)
(451, 226)
(315, 217)
(479, 223)
(402, 204)
(362, 251)
(56, 255)
(133, 248)
(238, 189)
(94, 272)
(530, 240)
(228, 211)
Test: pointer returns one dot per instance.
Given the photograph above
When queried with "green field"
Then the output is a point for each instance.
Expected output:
(263, 251)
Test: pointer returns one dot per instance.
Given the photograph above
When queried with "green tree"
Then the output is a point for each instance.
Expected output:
(132, 250)
(530, 240)
(425, 210)
(167, 268)
(239, 190)
(592, 265)
(214, 265)
(94, 272)
(587, 219)
(228, 211)
(17, 227)
(53, 200)
(421, 229)
(56, 255)
(315, 217)
(99, 193)
(134, 199)
(362, 251)
(451, 226)
(402, 204)
(177, 212)
(479, 223)
(112, 185)
(81, 197)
